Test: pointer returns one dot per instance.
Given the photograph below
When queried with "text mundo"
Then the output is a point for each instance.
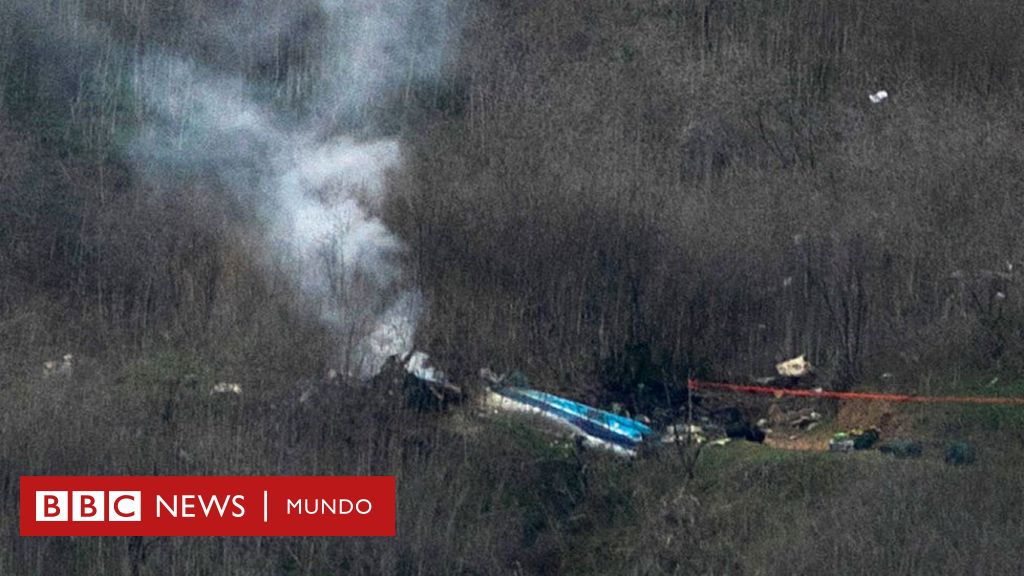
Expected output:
(340, 506)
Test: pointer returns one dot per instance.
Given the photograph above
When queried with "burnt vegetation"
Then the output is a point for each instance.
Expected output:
(607, 195)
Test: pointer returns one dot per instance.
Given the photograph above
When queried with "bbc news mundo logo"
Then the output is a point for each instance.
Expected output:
(207, 506)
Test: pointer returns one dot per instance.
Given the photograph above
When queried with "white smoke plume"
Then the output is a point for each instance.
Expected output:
(319, 183)
(314, 177)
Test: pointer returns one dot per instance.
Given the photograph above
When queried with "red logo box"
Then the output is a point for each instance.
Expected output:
(207, 505)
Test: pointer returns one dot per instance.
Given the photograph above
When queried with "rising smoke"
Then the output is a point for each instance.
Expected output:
(313, 174)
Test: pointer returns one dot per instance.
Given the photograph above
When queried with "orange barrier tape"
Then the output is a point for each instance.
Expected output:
(780, 392)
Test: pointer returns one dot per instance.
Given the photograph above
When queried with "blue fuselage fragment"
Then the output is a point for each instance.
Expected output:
(623, 432)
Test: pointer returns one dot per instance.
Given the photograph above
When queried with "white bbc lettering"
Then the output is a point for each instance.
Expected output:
(51, 506)
(88, 506)
(124, 506)
(185, 506)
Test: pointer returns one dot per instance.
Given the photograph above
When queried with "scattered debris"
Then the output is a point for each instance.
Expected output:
(806, 420)
(795, 367)
(960, 454)
(878, 97)
(840, 445)
(414, 377)
(58, 369)
(855, 439)
(683, 433)
(226, 388)
(865, 439)
(418, 364)
(426, 385)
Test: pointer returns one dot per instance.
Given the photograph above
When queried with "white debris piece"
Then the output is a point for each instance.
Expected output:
(308, 392)
(877, 97)
(683, 432)
(420, 366)
(227, 388)
(794, 367)
(806, 420)
(55, 369)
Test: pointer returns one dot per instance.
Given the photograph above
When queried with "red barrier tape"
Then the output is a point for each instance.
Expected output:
(780, 392)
